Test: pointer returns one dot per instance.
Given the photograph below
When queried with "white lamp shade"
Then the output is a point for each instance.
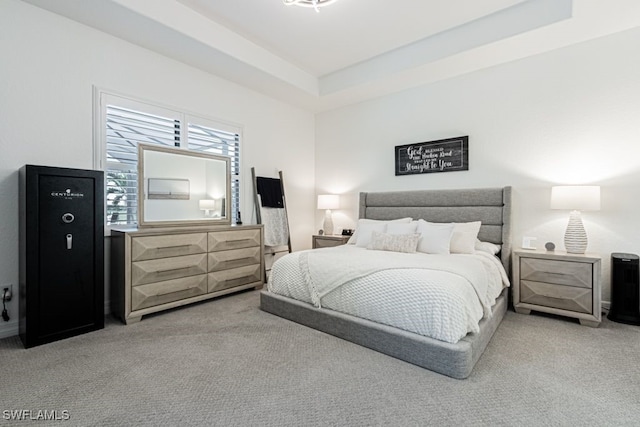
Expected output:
(328, 201)
(207, 204)
(576, 197)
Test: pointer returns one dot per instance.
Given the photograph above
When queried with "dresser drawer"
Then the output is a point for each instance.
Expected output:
(169, 245)
(151, 294)
(157, 270)
(236, 239)
(578, 274)
(225, 279)
(224, 260)
(578, 299)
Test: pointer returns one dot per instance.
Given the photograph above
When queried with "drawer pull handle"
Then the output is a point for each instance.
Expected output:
(173, 247)
(238, 278)
(239, 240)
(159, 294)
(169, 270)
(239, 259)
(552, 297)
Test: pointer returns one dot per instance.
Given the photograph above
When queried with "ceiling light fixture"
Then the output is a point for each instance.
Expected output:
(309, 3)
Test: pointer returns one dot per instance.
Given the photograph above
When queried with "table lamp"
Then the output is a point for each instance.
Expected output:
(207, 205)
(575, 198)
(328, 202)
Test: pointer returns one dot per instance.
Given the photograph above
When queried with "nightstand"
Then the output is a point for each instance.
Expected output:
(327, 241)
(558, 283)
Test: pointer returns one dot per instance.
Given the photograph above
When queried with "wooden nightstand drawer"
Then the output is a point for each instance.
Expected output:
(324, 241)
(562, 297)
(556, 272)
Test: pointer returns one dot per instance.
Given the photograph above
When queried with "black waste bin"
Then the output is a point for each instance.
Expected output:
(625, 289)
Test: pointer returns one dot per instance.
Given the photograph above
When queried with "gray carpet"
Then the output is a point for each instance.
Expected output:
(226, 363)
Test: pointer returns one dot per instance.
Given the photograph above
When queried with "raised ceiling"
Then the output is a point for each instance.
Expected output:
(345, 33)
(352, 50)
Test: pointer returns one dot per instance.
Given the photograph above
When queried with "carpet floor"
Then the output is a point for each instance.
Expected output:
(226, 363)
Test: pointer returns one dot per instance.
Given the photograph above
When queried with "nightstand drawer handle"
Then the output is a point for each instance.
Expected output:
(556, 274)
(552, 297)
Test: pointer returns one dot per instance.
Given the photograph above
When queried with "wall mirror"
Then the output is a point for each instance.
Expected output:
(182, 187)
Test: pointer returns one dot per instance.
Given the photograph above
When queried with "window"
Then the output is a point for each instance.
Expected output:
(125, 123)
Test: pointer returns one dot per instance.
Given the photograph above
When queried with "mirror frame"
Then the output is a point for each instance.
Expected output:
(142, 196)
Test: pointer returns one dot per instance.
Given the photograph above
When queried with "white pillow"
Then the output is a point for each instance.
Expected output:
(354, 238)
(366, 230)
(434, 237)
(394, 242)
(401, 227)
(488, 247)
(464, 237)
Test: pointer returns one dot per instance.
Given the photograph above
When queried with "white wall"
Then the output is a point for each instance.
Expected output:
(49, 66)
(570, 116)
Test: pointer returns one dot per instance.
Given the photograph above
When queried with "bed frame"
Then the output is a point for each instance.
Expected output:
(492, 206)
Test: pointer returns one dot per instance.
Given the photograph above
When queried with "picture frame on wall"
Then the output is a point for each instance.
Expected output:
(443, 155)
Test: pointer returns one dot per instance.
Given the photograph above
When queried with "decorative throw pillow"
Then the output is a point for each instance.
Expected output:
(394, 242)
(464, 237)
(353, 239)
(434, 237)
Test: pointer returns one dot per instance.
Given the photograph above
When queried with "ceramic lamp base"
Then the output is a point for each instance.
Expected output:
(328, 223)
(575, 238)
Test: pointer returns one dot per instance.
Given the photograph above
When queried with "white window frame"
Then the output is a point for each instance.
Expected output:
(102, 98)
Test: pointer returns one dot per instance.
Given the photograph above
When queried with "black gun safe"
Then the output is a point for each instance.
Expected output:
(61, 253)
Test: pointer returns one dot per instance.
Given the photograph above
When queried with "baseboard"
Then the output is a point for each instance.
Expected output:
(10, 328)
(606, 306)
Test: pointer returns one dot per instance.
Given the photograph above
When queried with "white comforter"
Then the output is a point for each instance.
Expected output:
(439, 296)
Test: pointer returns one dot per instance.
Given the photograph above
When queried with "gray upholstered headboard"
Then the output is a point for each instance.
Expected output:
(492, 206)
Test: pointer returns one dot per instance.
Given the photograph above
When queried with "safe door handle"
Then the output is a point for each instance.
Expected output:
(69, 240)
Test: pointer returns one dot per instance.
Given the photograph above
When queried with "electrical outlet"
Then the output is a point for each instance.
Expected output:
(7, 292)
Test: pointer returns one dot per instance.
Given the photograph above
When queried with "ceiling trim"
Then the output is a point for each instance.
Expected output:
(528, 28)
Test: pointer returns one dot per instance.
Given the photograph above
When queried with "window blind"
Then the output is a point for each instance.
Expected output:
(126, 127)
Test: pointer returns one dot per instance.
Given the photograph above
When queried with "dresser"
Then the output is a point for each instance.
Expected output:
(327, 241)
(558, 283)
(154, 269)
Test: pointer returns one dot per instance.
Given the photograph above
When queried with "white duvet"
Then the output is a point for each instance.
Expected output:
(439, 296)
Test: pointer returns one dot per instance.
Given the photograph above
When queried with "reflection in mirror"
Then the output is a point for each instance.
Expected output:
(163, 188)
(182, 187)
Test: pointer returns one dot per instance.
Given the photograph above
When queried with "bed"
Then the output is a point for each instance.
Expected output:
(490, 206)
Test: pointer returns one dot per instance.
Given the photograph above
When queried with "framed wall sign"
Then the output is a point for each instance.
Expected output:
(444, 155)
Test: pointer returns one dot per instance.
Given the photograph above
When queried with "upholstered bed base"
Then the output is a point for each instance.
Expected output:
(491, 206)
(454, 360)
